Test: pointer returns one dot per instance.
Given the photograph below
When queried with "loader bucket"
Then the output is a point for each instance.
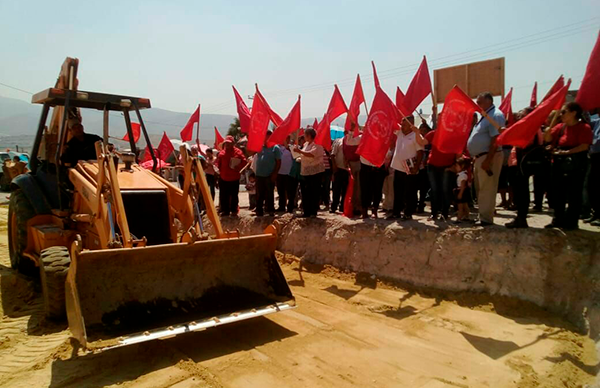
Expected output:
(118, 297)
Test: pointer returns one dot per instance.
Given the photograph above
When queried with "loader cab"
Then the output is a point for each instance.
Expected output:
(54, 177)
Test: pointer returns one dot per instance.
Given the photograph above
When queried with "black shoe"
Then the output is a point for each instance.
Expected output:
(590, 219)
(331, 211)
(596, 222)
(406, 217)
(517, 223)
(259, 214)
(392, 216)
(433, 217)
(483, 223)
(537, 209)
(570, 227)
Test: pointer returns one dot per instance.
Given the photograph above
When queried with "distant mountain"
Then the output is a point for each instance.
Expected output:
(21, 118)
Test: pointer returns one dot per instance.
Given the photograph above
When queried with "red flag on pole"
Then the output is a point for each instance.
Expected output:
(165, 148)
(419, 88)
(316, 123)
(379, 129)
(375, 78)
(455, 122)
(259, 123)
(337, 106)
(288, 126)
(522, 132)
(560, 82)
(274, 117)
(358, 98)
(135, 128)
(187, 131)
(218, 139)
(533, 101)
(588, 95)
(506, 108)
(243, 111)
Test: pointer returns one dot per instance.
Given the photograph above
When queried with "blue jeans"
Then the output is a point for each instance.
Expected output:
(442, 182)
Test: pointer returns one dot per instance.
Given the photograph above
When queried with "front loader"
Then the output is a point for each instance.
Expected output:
(120, 250)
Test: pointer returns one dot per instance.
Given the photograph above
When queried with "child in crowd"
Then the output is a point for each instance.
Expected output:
(251, 189)
(462, 192)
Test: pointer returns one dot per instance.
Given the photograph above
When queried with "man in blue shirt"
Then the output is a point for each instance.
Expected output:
(268, 162)
(488, 161)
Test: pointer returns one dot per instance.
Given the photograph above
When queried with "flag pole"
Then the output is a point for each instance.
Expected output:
(434, 109)
(198, 129)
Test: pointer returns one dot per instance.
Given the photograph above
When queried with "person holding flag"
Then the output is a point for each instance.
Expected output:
(406, 162)
(570, 142)
(229, 163)
(311, 167)
(488, 158)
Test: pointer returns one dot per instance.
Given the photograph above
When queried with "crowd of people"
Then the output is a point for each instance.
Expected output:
(563, 160)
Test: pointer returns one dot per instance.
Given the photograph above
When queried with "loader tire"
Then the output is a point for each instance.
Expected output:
(54, 265)
(19, 212)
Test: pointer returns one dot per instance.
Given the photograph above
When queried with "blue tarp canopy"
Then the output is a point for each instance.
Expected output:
(336, 132)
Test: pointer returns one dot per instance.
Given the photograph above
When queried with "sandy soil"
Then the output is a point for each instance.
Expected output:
(349, 330)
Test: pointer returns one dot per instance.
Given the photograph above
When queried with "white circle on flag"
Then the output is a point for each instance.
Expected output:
(379, 125)
(454, 117)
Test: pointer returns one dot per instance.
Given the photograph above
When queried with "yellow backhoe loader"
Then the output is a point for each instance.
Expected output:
(121, 251)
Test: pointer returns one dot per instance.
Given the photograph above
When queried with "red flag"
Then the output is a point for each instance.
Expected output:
(289, 125)
(218, 139)
(506, 108)
(135, 128)
(275, 118)
(375, 78)
(379, 128)
(358, 98)
(259, 123)
(522, 132)
(533, 101)
(419, 88)
(455, 122)
(147, 155)
(560, 82)
(337, 106)
(165, 148)
(348, 209)
(316, 123)
(243, 111)
(188, 130)
(588, 95)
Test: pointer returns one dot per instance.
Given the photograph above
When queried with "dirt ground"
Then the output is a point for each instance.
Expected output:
(349, 330)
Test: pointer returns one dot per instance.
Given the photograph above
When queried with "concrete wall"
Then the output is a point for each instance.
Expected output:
(558, 271)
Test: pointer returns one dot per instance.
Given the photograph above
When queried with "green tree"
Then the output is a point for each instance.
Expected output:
(235, 130)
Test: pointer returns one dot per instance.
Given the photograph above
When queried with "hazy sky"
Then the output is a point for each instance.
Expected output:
(181, 53)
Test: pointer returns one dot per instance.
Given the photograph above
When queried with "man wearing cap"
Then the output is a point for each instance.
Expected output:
(488, 162)
(229, 162)
(268, 162)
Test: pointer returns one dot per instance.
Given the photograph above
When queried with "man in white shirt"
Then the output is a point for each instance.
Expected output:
(406, 162)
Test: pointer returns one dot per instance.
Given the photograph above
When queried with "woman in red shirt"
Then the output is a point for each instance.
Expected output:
(569, 142)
